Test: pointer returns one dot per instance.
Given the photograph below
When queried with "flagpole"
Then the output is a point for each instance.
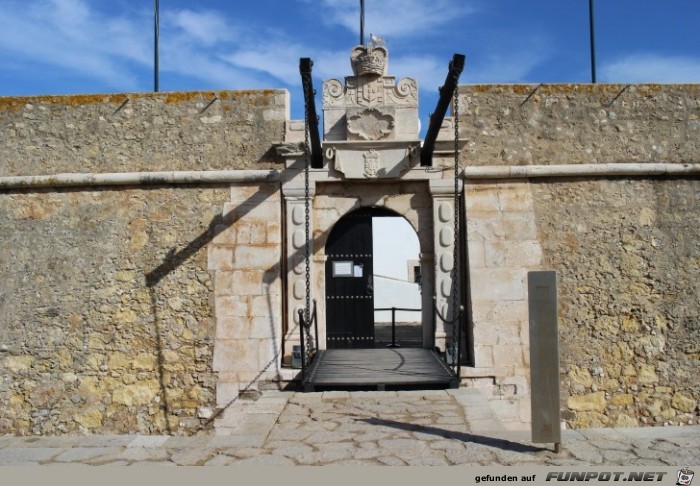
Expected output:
(156, 33)
(592, 32)
(362, 22)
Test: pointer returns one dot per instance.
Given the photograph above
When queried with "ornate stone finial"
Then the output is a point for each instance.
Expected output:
(369, 60)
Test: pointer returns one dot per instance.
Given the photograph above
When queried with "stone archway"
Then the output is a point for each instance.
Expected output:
(331, 201)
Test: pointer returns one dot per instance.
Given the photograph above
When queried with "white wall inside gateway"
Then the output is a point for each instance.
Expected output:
(395, 243)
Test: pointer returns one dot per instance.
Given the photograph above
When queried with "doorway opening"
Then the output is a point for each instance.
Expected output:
(397, 283)
(373, 288)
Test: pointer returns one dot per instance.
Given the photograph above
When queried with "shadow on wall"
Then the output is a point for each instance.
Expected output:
(174, 259)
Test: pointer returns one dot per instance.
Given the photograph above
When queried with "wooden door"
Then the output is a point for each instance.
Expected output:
(349, 283)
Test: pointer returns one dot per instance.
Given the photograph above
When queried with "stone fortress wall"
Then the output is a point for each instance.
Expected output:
(107, 316)
(626, 249)
(108, 298)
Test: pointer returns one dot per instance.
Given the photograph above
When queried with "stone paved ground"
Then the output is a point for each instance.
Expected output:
(363, 429)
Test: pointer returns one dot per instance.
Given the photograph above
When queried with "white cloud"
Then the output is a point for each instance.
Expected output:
(75, 37)
(652, 68)
(207, 27)
(393, 18)
(279, 60)
(67, 34)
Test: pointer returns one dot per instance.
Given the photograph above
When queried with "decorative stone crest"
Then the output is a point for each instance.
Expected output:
(372, 164)
(370, 121)
(370, 124)
(369, 60)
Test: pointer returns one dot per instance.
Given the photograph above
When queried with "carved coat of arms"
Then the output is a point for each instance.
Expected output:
(372, 164)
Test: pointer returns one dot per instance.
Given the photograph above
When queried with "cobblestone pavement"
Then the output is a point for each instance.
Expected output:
(446, 427)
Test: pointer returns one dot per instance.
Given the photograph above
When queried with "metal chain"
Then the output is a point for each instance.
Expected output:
(307, 250)
(456, 321)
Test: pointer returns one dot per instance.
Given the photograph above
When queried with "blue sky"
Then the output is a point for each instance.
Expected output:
(94, 46)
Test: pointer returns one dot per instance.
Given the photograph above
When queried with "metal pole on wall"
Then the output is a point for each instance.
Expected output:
(156, 33)
(592, 32)
(362, 22)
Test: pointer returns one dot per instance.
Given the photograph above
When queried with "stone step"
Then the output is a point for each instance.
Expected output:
(252, 417)
(477, 410)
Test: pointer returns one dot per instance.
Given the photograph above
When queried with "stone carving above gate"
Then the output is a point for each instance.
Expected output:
(369, 60)
(371, 163)
(369, 124)
(370, 113)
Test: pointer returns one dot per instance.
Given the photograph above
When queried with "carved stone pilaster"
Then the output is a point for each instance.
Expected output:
(295, 206)
(442, 192)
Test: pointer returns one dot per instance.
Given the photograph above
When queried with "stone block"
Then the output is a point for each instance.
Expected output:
(272, 282)
(265, 257)
(90, 419)
(255, 210)
(247, 282)
(624, 420)
(486, 225)
(646, 374)
(267, 350)
(495, 253)
(118, 361)
(268, 327)
(526, 253)
(488, 332)
(137, 394)
(508, 355)
(325, 218)
(258, 232)
(498, 311)
(223, 283)
(145, 362)
(273, 233)
(498, 283)
(506, 410)
(232, 327)
(592, 402)
(580, 376)
(226, 307)
(683, 403)
(227, 388)
(235, 355)
(521, 384)
(225, 235)
(483, 356)
(622, 399)
(220, 257)
(481, 197)
(519, 225)
(515, 197)
(253, 193)
(476, 254)
(266, 305)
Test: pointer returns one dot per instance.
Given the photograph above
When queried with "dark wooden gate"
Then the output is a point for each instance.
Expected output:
(349, 281)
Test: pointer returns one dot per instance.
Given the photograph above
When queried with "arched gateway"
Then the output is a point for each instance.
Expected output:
(352, 284)
(371, 155)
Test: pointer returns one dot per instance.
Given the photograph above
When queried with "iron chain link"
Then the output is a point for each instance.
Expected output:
(307, 226)
(456, 314)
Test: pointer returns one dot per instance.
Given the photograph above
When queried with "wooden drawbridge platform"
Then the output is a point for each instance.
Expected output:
(378, 369)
